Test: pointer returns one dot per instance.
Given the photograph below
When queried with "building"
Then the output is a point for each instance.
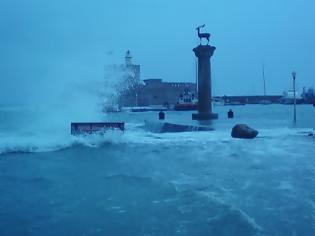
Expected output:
(148, 92)
(157, 92)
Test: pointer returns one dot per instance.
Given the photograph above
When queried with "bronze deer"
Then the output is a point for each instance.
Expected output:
(203, 35)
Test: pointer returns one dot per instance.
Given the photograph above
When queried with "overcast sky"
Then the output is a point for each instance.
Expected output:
(44, 44)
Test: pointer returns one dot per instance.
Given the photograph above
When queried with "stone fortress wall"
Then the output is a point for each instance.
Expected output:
(151, 91)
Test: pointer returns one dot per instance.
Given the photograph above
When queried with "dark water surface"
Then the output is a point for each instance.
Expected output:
(140, 183)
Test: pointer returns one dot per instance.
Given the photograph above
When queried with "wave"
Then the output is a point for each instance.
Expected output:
(51, 143)
(59, 139)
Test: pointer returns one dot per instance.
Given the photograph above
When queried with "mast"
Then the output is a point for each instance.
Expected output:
(264, 79)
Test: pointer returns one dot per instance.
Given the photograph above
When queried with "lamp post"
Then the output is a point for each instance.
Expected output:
(294, 98)
(136, 99)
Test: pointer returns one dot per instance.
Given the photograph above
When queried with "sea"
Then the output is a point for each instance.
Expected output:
(141, 183)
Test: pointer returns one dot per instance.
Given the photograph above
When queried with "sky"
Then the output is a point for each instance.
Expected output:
(48, 46)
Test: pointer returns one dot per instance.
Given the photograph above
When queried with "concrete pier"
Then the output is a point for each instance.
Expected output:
(204, 53)
(158, 126)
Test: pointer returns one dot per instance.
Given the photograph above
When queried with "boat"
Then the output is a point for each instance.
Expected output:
(288, 98)
(186, 102)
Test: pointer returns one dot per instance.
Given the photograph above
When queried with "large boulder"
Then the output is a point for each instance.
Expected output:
(243, 131)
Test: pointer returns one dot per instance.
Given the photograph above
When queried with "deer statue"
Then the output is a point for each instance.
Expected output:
(203, 35)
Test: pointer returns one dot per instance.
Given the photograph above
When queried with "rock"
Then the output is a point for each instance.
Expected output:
(243, 131)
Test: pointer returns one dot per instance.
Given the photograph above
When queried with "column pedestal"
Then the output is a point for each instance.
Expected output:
(204, 53)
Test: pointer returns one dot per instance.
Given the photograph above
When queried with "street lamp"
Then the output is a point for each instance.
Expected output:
(294, 98)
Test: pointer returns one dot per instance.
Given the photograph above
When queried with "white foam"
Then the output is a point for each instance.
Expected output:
(51, 132)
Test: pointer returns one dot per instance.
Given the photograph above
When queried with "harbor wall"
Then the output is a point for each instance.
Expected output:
(156, 92)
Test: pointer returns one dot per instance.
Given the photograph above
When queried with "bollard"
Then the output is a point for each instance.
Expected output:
(230, 114)
(161, 115)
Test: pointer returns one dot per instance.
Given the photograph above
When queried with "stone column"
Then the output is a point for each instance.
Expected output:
(204, 52)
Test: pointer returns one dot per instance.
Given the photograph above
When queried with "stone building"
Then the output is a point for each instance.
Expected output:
(150, 91)
(157, 92)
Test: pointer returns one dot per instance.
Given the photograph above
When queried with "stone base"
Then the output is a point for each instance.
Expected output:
(207, 116)
(165, 127)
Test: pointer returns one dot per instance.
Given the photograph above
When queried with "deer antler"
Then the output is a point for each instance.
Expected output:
(201, 26)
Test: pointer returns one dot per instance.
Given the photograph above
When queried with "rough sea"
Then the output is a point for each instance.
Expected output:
(142, 183)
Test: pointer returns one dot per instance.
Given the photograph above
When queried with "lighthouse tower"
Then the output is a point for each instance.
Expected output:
(132, 67)
(128, 59)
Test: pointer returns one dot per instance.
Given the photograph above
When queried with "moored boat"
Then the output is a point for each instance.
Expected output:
(288, 97)
(186, 102)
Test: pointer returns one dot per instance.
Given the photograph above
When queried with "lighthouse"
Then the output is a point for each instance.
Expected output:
(135, 69)
(128, 59)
